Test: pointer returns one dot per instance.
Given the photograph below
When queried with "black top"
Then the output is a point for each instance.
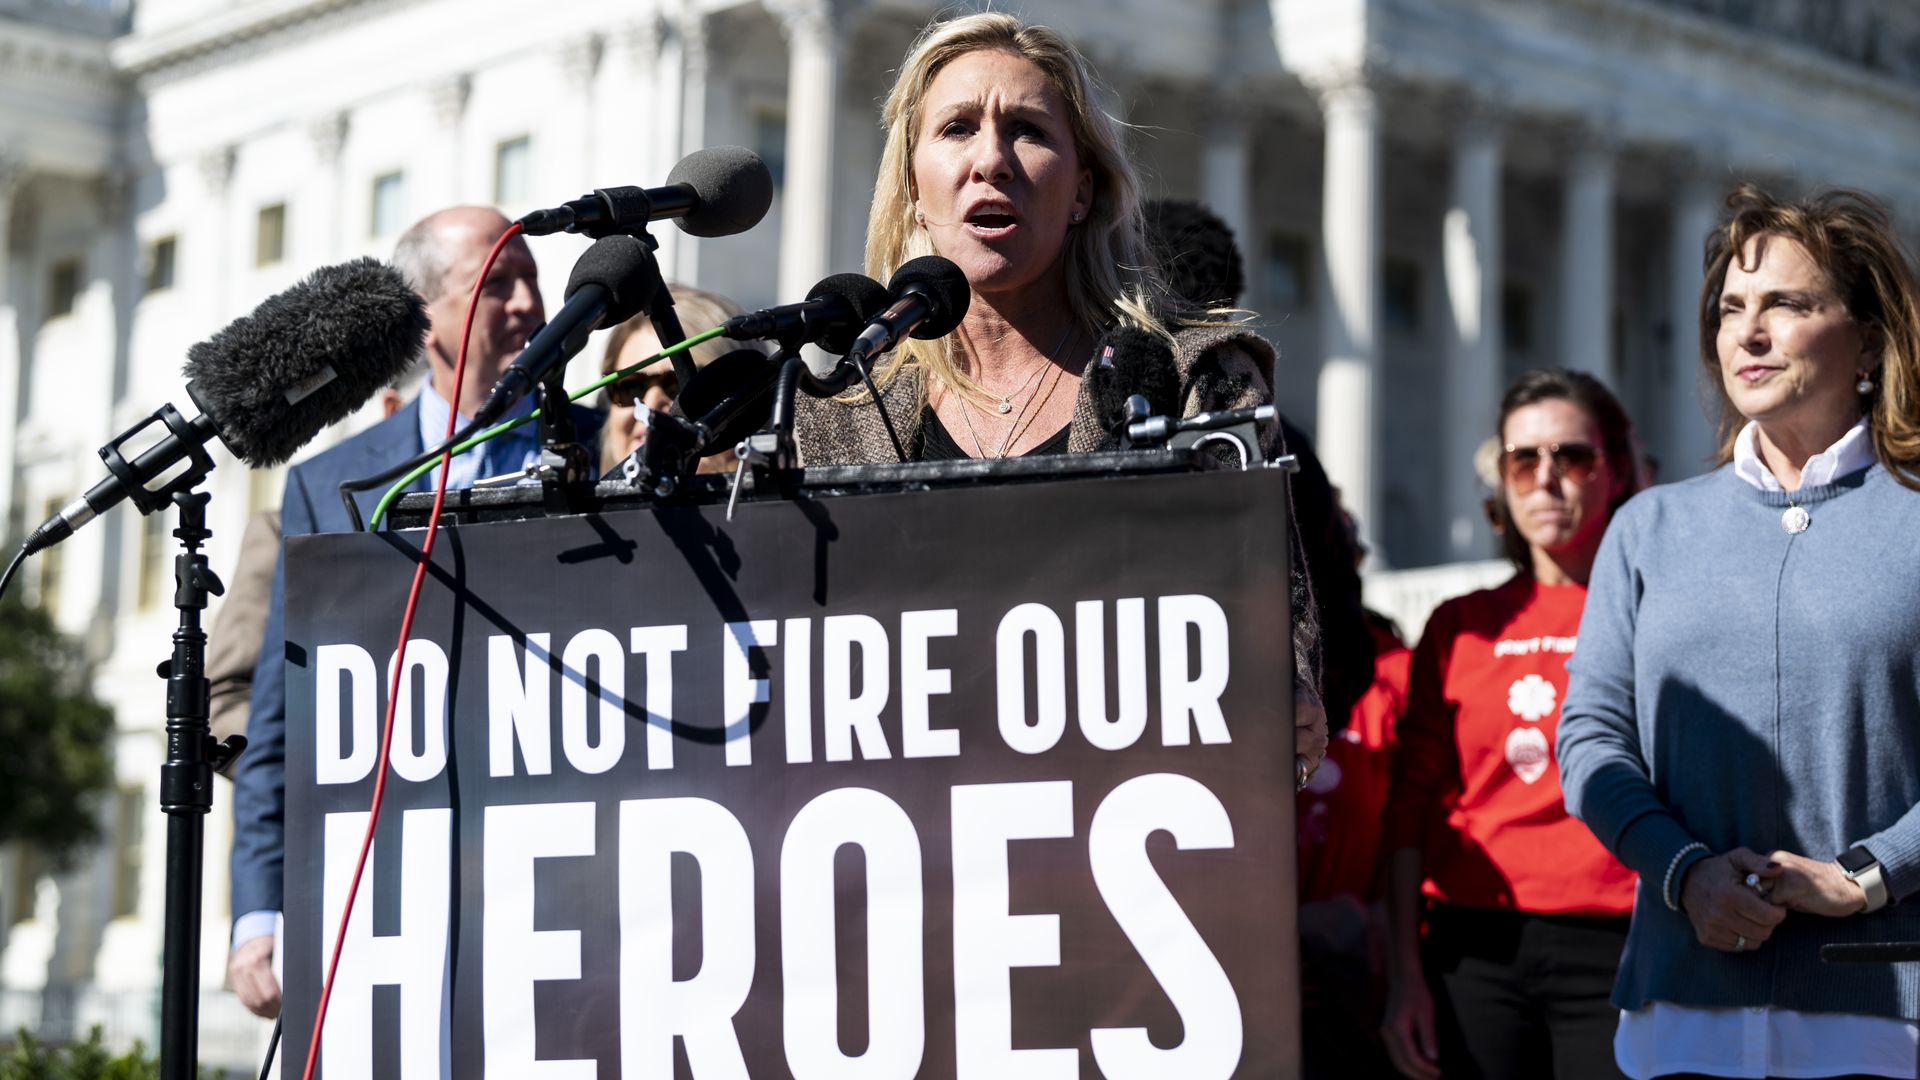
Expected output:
(937, 443)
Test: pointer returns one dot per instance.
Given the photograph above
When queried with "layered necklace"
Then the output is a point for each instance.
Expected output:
(1030, 411)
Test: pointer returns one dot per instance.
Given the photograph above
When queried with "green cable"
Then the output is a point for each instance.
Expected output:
(400, 485)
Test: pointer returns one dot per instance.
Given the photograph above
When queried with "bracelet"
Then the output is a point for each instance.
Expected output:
(1666, 887)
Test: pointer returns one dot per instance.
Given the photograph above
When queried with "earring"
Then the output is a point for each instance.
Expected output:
(1864, 386)
(919, 218)
(1077, 215)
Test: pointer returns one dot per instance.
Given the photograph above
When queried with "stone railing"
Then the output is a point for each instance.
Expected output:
(1882, 36)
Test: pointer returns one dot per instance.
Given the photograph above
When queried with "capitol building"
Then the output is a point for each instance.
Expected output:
(1431, 196)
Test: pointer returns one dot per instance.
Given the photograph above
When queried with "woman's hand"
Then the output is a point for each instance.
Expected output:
(1815, 886)
(1408, 1028)
(1727, 913)
(1309, 732)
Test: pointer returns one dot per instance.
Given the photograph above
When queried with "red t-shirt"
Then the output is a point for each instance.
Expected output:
(1340, 811)
(1475, 784)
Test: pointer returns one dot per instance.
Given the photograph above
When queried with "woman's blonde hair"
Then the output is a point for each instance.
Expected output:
(1850, 236)
(1111, 276)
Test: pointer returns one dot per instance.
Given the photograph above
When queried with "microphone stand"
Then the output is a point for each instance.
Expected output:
(565, 465)
(186, 791)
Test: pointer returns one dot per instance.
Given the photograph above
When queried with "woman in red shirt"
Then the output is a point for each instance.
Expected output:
(1525, 912)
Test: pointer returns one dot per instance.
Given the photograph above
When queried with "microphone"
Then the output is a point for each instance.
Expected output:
(831, 315)
(931, 299)
(266, 384)
(1132, 361)
(730, 398)
(613, 281)
(719, 191)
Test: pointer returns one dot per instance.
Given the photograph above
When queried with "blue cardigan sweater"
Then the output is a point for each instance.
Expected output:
(1737, 685)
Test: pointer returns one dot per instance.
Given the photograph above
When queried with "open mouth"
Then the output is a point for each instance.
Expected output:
(988, 222)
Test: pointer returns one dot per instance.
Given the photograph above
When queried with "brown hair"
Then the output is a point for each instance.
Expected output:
(1850, 236)
(1616, 442)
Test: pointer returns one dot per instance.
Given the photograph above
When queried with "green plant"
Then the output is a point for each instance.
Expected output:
(30, 1059)
(58, 738)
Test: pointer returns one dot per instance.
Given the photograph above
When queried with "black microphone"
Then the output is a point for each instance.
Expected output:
(1131, 361)
(266, 384)
(931, 297)
(729, 399)
(719, 191)
(613, 281)
(831, 315)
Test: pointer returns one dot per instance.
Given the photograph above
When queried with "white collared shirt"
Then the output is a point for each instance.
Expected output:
(1851, 453)
(509, 452)
(1663, 1038)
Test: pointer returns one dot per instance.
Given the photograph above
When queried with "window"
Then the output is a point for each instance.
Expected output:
(270, 235)
(389, 203)
(129, 829)
(770, 142)
(512, 167)
(1516, 318)
(156, 560)
(1289, 278)
(30, 867)
(63, 288)
(159, 265)
(1400, 294)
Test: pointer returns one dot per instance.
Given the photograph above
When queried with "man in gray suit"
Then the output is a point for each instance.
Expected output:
(441, 257)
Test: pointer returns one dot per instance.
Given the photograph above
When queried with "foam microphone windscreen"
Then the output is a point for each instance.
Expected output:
(746, 373)
(865, 296)
(733, 189)
(1131, 361)
(624, 266)
(306, 358)
(944, 283)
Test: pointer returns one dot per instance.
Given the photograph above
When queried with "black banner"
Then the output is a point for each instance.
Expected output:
(973, 783)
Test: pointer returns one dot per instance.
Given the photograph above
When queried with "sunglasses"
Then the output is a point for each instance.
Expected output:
(627, 392)
(1573, 462)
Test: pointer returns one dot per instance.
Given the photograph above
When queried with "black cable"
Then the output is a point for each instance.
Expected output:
(272, 1045)
(348, 487)
(882, 406)
(12, 569)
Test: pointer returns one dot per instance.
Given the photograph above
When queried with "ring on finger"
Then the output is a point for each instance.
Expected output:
(1754, 882)
(1739, 943)
(1302, 771)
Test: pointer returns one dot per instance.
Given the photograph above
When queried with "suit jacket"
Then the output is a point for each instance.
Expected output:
(311, 505)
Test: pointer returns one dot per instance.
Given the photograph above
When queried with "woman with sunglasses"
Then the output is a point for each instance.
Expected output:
(1525, 912)
(1743, 724)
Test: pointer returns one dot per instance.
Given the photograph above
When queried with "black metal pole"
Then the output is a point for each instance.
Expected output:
(186, 793)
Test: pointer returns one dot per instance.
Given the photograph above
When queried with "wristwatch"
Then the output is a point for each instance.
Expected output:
(1863, 870)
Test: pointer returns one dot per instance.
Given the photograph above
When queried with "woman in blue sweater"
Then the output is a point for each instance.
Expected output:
(1742, 725)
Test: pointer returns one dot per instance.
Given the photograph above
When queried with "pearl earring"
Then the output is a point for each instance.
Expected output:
(1076, 217)
(1864, 386)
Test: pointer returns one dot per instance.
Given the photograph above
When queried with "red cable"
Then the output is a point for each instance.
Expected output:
(400, 654)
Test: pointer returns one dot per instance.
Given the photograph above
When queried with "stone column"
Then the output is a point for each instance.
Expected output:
(1692, 403)
(1471, 262)
(1350, 317)
(447, 98)
(13, 175)
(329, 138)
(213, 251)
(813, 93)
(571, 164)
(680, 89)
(1586, 255)
(1226, 174)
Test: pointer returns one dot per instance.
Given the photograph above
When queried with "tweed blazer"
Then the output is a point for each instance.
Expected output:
(1220, 367)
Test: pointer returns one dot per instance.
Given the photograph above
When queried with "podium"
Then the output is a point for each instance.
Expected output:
(919, 772)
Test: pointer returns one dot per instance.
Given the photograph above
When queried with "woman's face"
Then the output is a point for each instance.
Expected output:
(1789, 351)
(996, 175)
(1560, 503)
(627, 426)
